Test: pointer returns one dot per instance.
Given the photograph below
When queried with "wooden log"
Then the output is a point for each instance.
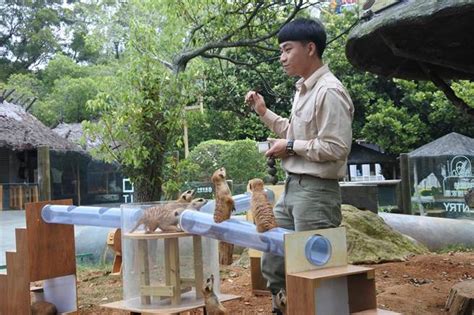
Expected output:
(461, 299)
(225, 253)
(44, 179)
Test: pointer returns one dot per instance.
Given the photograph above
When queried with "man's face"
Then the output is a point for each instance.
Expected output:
(294, 57)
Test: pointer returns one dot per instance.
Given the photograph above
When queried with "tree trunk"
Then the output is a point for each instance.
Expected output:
(147, 190)
(225, 253)
(461, 299)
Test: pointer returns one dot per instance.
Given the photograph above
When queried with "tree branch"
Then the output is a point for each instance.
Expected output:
(235, 61)
(163, 62)
(181, 61)
(447, 90)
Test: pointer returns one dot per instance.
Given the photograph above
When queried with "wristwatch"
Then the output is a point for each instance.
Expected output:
(289, 147)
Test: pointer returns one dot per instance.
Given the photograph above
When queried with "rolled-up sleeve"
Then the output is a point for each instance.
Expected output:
(334, 120)
(276, 123)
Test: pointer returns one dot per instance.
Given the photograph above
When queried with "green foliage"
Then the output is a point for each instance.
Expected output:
(61, 66)
(243, 161)
(175, 175)
(142, 119)
(393, 128)
(240, 158)
(68, 100)
(455, 248)
(208, 156)
(26, 84)
(28, 34)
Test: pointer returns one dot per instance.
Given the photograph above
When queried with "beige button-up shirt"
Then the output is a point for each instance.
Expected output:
(320, 123)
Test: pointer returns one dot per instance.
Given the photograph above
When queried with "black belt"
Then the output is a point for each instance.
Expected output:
(303, 175)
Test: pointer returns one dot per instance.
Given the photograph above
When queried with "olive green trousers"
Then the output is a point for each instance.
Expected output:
(307, 203)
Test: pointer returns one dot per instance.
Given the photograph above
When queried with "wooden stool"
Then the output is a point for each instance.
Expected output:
(175, 284)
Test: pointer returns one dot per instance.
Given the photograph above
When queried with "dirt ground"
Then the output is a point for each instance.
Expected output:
(419, 285)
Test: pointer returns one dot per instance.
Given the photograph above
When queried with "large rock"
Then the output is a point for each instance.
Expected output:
(371, 240)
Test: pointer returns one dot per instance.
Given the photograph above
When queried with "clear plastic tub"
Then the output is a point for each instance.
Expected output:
(150, 264)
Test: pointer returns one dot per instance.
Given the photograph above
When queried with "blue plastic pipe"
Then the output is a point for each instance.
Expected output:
(93, 216)
(239, 232)
(110, 217)
(234, 231)
(317, 248)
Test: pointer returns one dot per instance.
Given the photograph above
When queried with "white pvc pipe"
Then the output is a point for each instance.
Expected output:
(435, 233)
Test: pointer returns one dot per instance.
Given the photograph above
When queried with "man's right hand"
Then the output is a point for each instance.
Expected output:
(257, 102)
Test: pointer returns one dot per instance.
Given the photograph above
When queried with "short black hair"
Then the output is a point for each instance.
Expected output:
(304, 30)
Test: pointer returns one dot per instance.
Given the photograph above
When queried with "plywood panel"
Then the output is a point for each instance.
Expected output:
(376, 312)
(295, 259)
(362, 294)
(52, 248)
(336, 272)
(170, 309)
(3, 294)
(18, 284)
(259, 283)
(198, 266)
(300, 295)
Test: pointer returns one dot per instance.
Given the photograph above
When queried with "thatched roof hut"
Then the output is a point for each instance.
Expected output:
(74, 133)
(20, 131)
(433, 157)
(451, 144)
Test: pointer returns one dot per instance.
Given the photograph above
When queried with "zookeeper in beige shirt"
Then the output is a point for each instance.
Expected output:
(313, 143)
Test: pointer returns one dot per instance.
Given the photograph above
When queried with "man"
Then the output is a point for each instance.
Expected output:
(314, 142)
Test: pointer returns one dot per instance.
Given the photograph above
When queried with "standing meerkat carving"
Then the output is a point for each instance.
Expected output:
(262, 210)
(166, 217)
(211, 301)
(223, 196)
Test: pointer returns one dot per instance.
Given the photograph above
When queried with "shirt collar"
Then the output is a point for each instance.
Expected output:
(303, 85)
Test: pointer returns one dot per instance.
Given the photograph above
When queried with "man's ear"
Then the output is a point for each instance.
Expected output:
(313, 50)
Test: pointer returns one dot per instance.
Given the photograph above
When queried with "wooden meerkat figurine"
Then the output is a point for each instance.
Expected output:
(262, 210)
(211, 301)
(223, 196)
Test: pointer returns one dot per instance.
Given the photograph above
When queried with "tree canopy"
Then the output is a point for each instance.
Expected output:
(128, 69)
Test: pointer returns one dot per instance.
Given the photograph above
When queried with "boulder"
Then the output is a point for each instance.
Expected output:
(371, 240)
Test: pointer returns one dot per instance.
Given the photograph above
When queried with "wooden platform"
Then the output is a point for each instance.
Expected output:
(125, 306)
(155, 235)
(377, 311)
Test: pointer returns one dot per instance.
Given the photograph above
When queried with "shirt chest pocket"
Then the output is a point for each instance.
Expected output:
(304, 124)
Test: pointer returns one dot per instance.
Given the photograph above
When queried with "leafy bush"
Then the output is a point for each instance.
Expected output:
(243, 161)
(208, 156)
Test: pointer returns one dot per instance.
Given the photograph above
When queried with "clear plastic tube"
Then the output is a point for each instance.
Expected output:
(241, 202)
(234, 231)
(318, 248)
(82, 215)
(110, 217)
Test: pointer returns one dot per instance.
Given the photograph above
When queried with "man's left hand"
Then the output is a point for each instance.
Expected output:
(277, 148)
